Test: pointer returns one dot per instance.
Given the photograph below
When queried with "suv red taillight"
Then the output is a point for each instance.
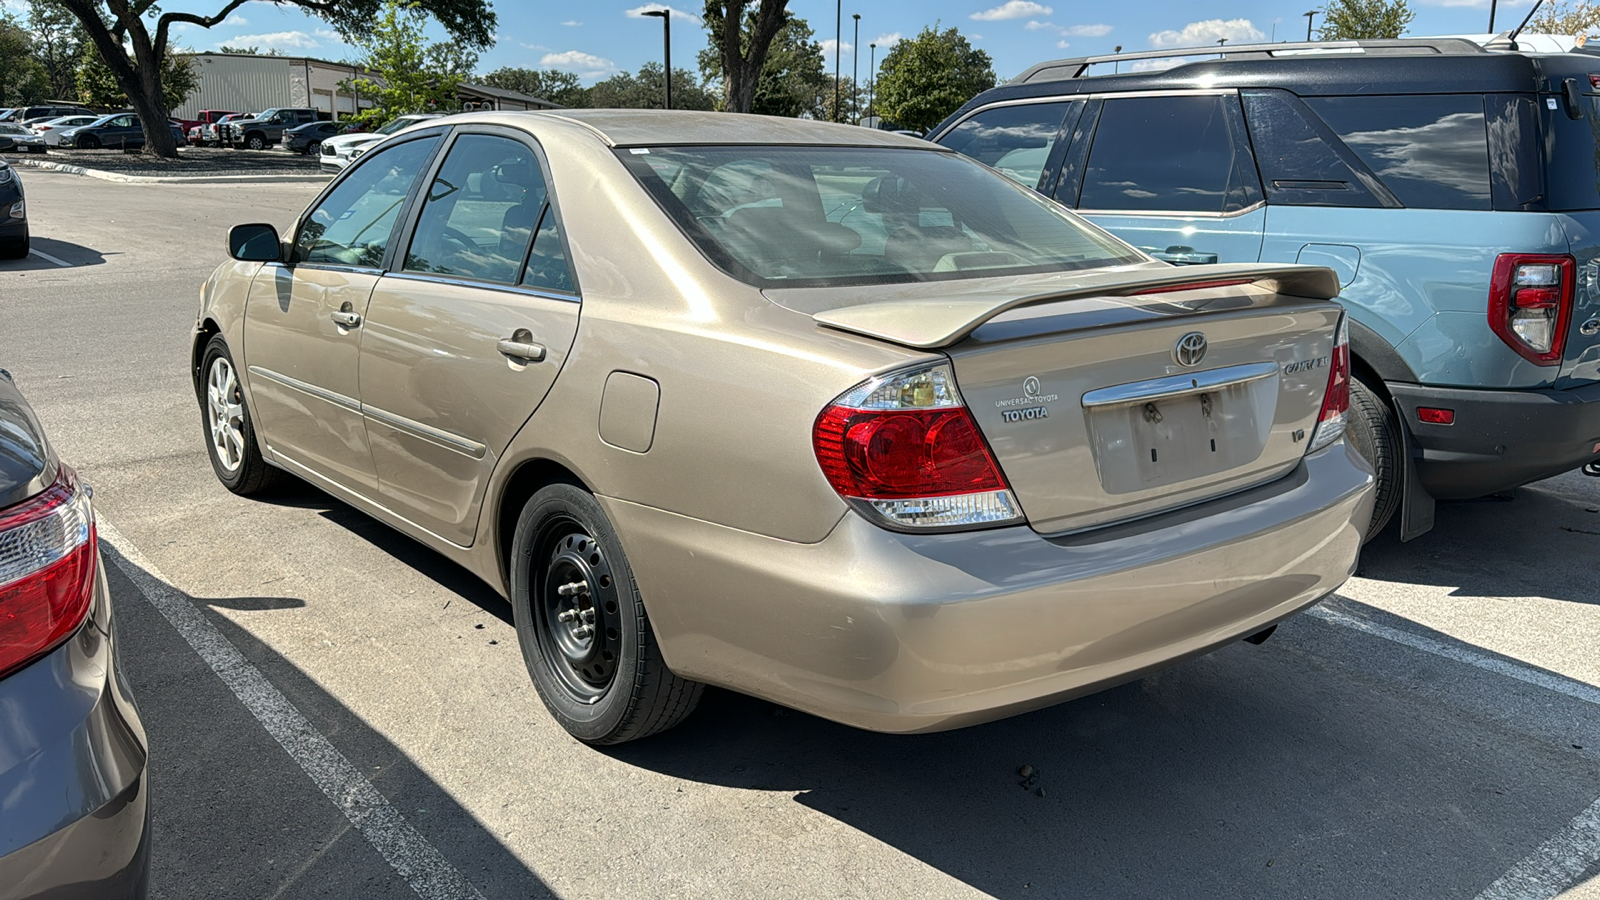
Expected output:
(1530, 303)
(1336, 399)
(905, 448)
(47, 562)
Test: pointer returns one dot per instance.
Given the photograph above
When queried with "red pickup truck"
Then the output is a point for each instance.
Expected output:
(194, 129)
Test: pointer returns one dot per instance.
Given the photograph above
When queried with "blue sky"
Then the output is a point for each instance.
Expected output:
(601, 37)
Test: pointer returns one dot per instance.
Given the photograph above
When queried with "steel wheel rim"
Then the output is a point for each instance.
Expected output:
(575, 600)
(225, 414)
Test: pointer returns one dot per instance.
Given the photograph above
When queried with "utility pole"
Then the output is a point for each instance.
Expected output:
(855, 69)
(838, 38)
(665, 15)
(1492, 4)
(1310, 17)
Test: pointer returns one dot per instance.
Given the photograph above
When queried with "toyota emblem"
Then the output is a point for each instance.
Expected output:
(1190, 349)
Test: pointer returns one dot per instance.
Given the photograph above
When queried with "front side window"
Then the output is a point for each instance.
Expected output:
(480, 212)
(1167, 154)
(1016, 140)
(818, 216)
(354, 222)
(1430, 150)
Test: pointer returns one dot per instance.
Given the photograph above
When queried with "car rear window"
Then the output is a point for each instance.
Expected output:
(1430, 150)
(779, 216)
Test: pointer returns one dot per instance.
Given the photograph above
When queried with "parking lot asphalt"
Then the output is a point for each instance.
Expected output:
(336, 711)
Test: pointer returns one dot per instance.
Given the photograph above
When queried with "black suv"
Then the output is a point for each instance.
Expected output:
(1452, 187)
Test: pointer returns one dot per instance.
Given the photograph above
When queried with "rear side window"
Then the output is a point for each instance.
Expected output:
(1169, 154)
(1016, 140)
(1430, 150)
(480, 212)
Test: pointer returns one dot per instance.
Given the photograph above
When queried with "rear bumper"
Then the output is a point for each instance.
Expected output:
(1500, 439)
(73, 786)
(909, 633)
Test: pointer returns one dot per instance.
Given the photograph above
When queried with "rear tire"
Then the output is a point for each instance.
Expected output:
(591, 651)
(230, 432)
(1375, 433)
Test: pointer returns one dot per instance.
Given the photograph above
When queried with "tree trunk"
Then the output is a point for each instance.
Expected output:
(742, 70)
(142, 84)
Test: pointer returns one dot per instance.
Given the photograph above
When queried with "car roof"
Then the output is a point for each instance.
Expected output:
(658, 128)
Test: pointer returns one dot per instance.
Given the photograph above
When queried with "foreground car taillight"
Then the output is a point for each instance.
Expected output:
(1336, 399)
(47, 563)
(905, 447)
(1530, 303)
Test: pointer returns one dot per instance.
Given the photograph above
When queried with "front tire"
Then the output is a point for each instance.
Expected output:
(255, 142)
(230, 433)
(88, 143)
(1375, 433)
(585, 638)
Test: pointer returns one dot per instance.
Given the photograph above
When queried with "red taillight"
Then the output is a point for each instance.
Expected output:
(47, 563)
(1336, 399)
(1530, 303)
(906, 447)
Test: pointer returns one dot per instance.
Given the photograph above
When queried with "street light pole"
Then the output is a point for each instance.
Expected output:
(665, 15)
(872, 77)
(838, 37)
(855, 69)
(1116, 66)
(1310, 17)
(1492, 5)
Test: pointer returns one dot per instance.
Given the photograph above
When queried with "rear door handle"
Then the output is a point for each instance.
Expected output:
(346, 318)
(1184, 256)
(524, 350)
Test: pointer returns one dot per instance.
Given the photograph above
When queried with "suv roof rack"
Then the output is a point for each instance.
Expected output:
(1067, 69)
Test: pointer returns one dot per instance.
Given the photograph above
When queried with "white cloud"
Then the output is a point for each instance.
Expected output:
(584, 65)
(889, 39)
(276, 40)
(236, 20)
(1198, 34)
(675, 13)
(827, 47)
(571, 24)
(328, 34)
(1036, 25)
(1098, 30)
(1062, 45)
(1012, 9)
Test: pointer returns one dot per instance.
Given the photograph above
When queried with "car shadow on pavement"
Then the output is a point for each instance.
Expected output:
(235, 816)
(1233, 775)
(1498, 547)
(39, 259)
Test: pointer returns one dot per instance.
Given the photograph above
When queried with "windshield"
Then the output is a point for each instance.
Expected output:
(396, 125)
(778, 216)
(9, 128)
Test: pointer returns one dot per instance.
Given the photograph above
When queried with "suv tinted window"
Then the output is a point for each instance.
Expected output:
(481, 211)
(1574, 164)
(1017, 140)
(1302, 163)
(1170, 154)
(1431, 150)
(353, 223)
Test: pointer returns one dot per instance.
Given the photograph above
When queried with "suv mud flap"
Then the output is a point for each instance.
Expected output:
(1416, 504)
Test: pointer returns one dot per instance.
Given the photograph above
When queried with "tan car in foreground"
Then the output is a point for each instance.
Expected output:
(830, 416)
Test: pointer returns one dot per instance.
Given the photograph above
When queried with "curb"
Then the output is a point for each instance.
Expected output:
(119, 178)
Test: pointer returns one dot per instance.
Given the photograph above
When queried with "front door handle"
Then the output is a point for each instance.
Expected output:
(521, 346)
(346, 318)
(1184, 256)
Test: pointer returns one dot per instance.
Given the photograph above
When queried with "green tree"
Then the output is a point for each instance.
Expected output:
(1363, 20)
(793, 79)
(58, 43)
(551, 84)
(97, 85)
(925, 78)
(144, 28)
(22, 78)
(741, 42)
(409, 74)
(644, 91)
(1572, 18)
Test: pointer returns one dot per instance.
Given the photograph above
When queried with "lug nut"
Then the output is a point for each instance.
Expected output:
(573, 589)
(567, 615)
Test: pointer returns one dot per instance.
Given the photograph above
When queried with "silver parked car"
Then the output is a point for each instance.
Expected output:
(74, 799)
(830, 416)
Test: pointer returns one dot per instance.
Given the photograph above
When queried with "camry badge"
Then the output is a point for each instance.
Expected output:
(1190, 349)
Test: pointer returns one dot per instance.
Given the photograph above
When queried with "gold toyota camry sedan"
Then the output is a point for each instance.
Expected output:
(829, 416)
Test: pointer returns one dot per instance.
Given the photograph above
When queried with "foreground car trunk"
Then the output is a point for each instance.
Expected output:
(1117, 395)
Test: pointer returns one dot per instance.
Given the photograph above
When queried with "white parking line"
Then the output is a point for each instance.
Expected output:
(1559, 862)
(48, 258)
(420, 863)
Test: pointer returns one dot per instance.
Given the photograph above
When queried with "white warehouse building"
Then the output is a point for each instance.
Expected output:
(249, 83)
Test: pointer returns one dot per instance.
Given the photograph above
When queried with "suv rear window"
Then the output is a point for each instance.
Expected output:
(1430, 150)
(778, 216)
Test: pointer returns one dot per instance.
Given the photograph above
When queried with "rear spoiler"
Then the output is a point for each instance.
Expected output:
(927, 324)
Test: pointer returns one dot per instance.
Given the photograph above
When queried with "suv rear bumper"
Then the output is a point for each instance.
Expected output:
(1500, 439)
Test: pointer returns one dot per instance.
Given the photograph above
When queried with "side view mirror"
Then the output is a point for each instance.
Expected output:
(257, 242)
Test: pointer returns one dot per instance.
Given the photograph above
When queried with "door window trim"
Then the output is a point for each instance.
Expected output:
(394, 263)
(405, 208)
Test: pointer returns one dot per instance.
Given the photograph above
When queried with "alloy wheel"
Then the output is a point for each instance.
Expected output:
(225, 414)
